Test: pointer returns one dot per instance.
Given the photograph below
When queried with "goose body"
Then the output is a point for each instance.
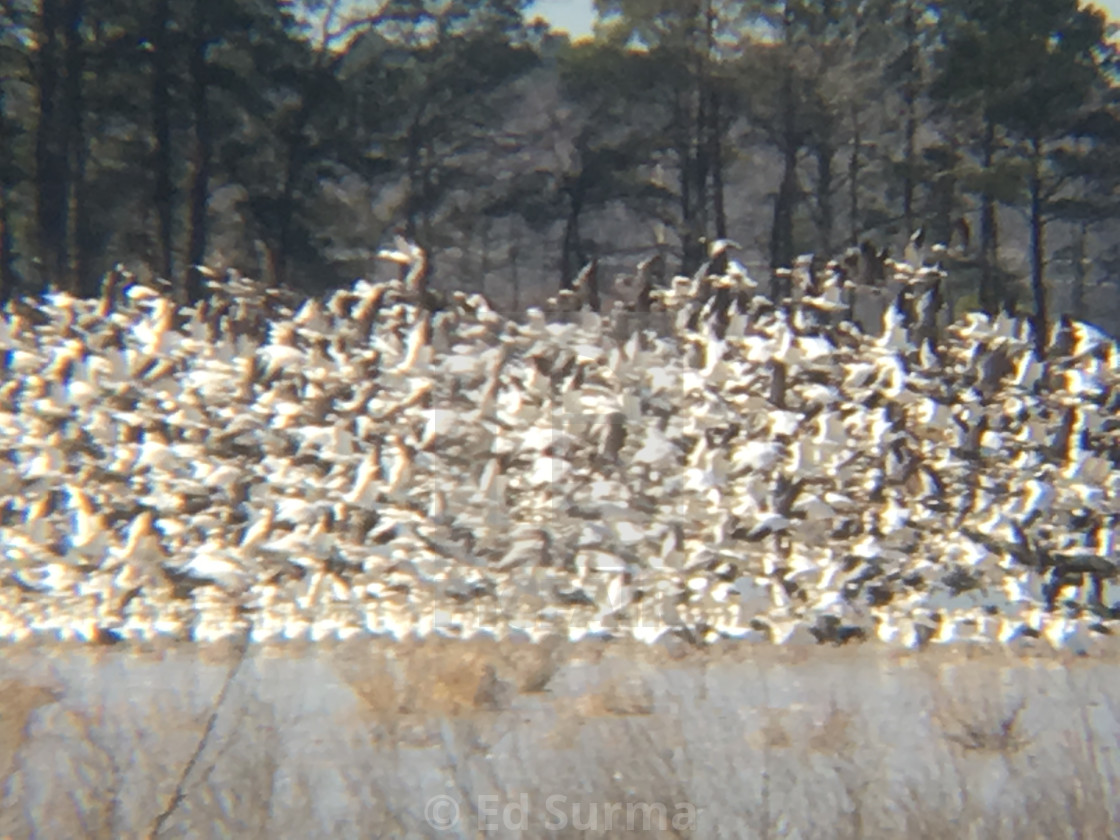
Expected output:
(381, 462)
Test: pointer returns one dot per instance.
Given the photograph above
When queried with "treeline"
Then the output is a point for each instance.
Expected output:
(287, 138)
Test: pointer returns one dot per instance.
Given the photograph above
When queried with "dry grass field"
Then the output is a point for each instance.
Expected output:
(465, 739)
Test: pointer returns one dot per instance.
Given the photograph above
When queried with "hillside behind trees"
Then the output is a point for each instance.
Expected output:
(291, 140)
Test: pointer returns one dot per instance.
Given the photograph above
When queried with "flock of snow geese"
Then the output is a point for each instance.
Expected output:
(693, 460)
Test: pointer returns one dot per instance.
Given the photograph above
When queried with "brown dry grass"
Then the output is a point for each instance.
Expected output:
(21, 700)
(774, 734)
(621, 695)
(494, 717)
(976, 716)
(431, 680)
(836, 734)
(446, 677)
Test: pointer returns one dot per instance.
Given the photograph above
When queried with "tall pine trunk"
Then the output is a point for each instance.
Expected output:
(909, 99)
(415, 180)
(686, 162)
(1080, 270)
(991, 293)
(163, 188)
(700, 147)
(203, 151)
(713, 139)
(7, 258)
(571, 253)
(298, 156)
(945, 159)
(7, 254)
(78, 277)
(825, 219)
(781, 232)
(50, 162)
(854, 168)
(1038, 245)
(287, 209)
(715, 143)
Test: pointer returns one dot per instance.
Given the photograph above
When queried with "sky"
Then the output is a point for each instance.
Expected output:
(1111, 7)
(576, 16)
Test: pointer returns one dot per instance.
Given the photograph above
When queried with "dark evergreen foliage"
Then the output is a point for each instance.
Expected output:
(289, 138)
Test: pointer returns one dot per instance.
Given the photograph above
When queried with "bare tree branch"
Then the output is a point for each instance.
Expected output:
(180, 787)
